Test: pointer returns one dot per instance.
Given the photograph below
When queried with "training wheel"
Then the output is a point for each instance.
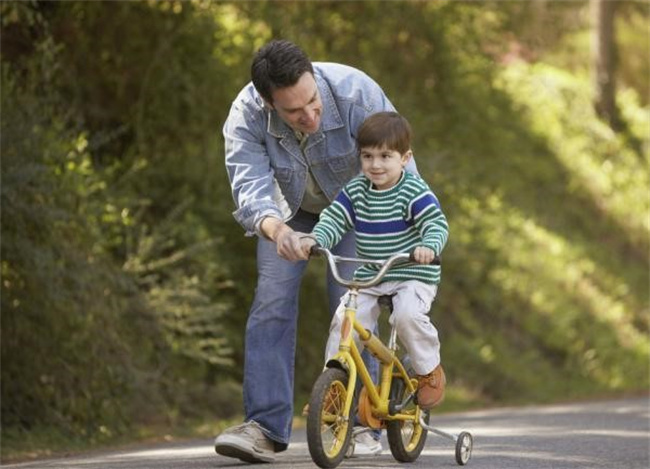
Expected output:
(464, 448)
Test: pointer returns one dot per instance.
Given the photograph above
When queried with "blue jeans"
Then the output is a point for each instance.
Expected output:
(270, 345)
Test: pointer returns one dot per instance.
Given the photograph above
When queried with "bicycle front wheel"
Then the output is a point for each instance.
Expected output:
(329, 427)
(406, 438)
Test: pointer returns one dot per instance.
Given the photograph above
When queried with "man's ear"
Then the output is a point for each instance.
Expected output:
(268, 105)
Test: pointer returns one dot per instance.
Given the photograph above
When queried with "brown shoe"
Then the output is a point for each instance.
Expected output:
(431, 388)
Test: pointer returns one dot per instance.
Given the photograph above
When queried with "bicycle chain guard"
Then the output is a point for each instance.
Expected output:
(365, 411)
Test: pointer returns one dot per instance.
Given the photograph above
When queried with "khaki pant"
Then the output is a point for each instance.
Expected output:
(411, 303)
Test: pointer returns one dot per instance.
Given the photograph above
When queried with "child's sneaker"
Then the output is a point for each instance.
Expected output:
(431, 388)
(363, 444)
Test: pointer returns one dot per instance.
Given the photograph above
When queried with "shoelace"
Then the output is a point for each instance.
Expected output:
(431, 379)
(248, 428)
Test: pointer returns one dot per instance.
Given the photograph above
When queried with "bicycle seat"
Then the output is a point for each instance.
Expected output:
(386, 301)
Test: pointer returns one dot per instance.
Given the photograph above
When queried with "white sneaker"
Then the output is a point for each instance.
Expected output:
(363, 443)
(246, 442)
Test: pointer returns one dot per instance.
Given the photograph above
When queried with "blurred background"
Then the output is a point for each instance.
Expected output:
(126, 282)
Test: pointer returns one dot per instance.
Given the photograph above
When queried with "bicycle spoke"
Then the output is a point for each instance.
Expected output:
(331, 417)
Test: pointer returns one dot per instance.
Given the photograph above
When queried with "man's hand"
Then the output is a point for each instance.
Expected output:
(287, 240)
(289, 246)
(306, 243)
(423, 255)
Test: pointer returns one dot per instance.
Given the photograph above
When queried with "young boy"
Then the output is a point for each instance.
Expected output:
(391, 211)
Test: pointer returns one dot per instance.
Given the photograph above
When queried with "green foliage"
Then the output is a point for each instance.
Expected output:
(547, 248)
(109, 308)
(68, 349)
(126, 282)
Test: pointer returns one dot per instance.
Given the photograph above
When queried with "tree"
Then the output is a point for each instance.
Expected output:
(604, 61)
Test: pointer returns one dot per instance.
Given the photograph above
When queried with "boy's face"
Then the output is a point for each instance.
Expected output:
(383, 166)
(299, 105)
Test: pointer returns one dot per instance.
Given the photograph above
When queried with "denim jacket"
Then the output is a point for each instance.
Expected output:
(267, 169)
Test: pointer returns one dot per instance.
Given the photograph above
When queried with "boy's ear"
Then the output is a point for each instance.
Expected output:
(406, 157)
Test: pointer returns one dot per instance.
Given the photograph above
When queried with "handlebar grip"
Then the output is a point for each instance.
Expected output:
(435, 261)
(315, 250)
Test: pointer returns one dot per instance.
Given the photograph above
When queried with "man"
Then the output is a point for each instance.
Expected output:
(290, 144)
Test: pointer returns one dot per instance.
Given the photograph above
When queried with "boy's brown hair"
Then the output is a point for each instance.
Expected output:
(388, 129)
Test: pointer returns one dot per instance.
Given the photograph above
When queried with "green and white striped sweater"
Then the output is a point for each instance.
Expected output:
(387, 222)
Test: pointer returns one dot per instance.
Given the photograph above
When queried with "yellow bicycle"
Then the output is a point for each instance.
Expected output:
(392, 404)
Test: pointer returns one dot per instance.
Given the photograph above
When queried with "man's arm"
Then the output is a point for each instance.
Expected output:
(248, 164)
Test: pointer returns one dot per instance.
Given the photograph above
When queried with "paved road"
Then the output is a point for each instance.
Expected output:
(608, 435)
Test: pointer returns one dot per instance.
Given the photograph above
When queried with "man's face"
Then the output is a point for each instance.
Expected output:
(299, 105)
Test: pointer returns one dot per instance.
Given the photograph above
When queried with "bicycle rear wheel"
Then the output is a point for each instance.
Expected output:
(406, 438)
(329, 426)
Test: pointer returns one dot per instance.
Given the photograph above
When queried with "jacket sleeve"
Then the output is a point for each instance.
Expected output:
(254, 189)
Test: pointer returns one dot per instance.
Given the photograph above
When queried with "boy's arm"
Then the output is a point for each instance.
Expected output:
(430, 221)
(335, 221)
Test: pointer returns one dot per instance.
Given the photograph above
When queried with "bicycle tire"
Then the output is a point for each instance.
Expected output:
(406, 439)
(329, 426)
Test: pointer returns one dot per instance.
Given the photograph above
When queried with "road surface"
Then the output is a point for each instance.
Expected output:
(605, 434)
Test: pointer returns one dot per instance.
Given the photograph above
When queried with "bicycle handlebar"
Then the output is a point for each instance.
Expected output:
(385, 264)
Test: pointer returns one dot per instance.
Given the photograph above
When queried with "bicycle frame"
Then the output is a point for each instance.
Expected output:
(349, 356)
(329, 423)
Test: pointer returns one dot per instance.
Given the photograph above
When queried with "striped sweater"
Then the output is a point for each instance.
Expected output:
(387, 222)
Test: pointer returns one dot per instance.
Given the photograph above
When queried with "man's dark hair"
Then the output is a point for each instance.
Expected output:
(278, 64)
(385, 128)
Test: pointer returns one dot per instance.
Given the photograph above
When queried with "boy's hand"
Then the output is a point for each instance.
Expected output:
(306, 243)
(423, 255)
